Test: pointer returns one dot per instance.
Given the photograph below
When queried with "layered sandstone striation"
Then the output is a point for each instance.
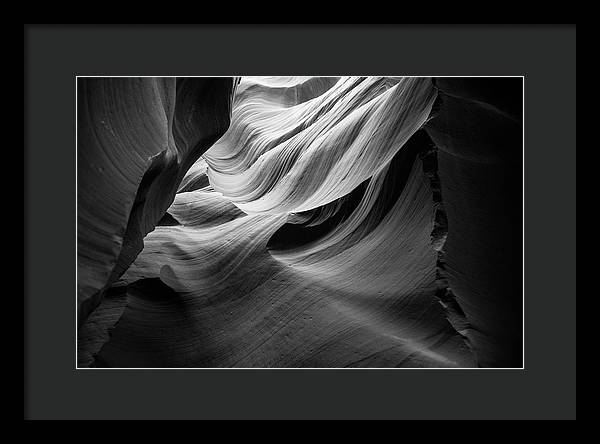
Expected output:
(300, 222)
(137, 138)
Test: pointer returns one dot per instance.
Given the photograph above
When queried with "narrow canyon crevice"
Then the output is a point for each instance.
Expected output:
(454, 313)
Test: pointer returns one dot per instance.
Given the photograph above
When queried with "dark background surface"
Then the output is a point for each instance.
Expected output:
(55, 55)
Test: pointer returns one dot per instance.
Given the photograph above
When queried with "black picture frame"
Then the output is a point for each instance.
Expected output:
(544, 55)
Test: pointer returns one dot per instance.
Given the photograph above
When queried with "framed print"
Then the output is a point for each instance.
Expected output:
(301, 223)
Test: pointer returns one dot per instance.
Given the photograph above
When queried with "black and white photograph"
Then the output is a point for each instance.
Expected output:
(316, 222)
(300, 222)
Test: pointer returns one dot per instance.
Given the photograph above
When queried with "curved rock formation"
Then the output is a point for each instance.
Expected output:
(338, 222)
(136, 139)
(478, 133)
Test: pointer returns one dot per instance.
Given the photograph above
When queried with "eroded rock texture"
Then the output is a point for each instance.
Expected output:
(136, 139)
(338, 222)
